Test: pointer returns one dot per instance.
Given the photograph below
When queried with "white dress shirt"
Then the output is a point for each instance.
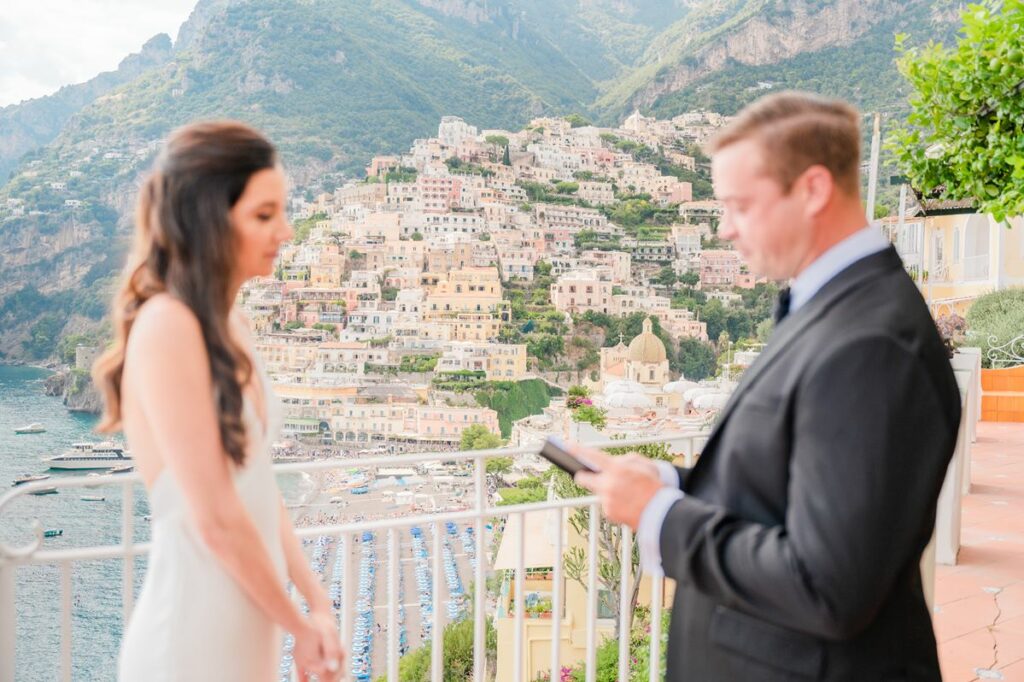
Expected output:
(802, 289)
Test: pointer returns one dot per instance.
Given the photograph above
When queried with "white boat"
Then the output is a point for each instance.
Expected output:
(34, 427)
(29, 478)
(44, 491)
(90, 456)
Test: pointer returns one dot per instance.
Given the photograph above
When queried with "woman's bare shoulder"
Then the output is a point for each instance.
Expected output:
(165, 323)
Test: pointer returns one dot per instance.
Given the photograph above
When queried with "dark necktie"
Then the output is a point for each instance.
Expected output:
(781, 305)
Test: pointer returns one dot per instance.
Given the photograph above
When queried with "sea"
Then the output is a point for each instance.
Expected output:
(96, 610)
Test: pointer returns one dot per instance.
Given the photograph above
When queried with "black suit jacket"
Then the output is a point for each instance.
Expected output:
(796, 550)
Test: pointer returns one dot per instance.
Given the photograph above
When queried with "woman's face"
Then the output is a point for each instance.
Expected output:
(260, 224)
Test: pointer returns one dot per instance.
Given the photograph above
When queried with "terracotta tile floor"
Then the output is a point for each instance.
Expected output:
(979, 612)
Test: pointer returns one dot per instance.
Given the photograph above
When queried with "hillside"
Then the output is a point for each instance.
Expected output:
(26, 126)
(725, 54)
(333, 82)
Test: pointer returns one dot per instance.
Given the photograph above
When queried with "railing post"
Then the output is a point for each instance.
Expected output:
(436, 630)
(127, 538)
(8, 623)
(393, 568)
(347, 590)
(625, 578)
(591, 669)
(479, 586)
(556, 603)
(519, 601)
(657, 584)
(65, 621)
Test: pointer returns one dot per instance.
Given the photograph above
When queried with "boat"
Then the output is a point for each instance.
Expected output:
(34, 427)
(44, 491)
(90, 456)
(29, 478)
(121, 469)
(93, 498)
(53, 533)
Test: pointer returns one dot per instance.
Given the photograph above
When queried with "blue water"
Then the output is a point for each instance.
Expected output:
(96, 585)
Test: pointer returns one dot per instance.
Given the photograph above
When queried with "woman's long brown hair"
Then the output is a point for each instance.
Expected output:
(184, 246)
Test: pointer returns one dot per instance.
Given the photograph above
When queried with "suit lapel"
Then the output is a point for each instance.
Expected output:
(791, 326)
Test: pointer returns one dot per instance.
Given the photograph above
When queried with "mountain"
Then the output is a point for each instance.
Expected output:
(37, 122)
(842, 48)
(333, 82)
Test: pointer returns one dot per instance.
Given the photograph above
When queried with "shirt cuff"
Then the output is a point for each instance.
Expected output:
(668, 474)
(648, 532)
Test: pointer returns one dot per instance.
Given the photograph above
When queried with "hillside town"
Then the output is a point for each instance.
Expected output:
(408, 292)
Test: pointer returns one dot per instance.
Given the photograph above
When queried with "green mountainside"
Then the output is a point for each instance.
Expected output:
(26, 126)
(333, 82)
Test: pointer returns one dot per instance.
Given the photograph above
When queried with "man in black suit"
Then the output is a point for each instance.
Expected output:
(795, 542)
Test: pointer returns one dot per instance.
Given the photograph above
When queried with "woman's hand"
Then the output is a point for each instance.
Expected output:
(313, 652)
(330, 644)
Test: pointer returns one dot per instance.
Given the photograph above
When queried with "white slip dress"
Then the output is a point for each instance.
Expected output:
(192, 621)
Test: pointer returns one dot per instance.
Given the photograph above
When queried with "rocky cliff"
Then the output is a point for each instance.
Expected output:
(767, 38)
(75, 388)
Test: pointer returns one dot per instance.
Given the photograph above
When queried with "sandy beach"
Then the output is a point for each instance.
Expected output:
(326, 497)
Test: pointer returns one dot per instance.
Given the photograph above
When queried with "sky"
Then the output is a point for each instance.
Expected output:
(45, 44)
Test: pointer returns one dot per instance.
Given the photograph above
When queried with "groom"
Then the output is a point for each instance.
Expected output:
(796, 539)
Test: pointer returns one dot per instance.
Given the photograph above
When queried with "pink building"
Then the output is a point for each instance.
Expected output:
(719, 268)
(438, 193)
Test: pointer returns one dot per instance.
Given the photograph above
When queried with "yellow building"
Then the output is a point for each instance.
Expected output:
(501, 361)
(327, 274)
(288, 352)
(469, 290)
(957, 255)
(540, 533)
(472, 326)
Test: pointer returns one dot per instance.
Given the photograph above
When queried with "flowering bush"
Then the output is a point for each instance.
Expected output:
(952, 329)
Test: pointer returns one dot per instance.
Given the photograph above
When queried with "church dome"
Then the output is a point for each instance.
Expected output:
(647, 347)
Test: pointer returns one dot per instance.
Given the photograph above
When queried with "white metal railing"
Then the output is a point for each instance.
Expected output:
(32, 553)
(975, 267)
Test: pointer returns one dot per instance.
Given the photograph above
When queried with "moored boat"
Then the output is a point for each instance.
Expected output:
(90, 456)
(30, 478)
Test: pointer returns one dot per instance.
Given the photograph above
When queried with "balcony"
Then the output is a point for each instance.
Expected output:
(417, 566)
(975, 267)
(452, 551)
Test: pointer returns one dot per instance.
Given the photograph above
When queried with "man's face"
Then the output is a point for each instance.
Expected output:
(773, 231)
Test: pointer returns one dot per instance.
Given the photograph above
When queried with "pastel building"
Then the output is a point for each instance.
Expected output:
(580, 291)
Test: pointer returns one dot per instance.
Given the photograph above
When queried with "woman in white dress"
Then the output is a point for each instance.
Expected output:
(182, 381)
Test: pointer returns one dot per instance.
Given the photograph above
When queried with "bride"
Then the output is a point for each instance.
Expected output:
(183, 382)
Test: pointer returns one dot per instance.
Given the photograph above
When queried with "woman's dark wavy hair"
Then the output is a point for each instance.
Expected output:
(184, 245)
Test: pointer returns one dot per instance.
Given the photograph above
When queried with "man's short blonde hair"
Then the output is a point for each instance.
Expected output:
(798, 130)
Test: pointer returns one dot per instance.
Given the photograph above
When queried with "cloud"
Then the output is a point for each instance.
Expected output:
(45, 44)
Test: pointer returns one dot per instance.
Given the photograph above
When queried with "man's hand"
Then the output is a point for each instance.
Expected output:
(624, 484)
